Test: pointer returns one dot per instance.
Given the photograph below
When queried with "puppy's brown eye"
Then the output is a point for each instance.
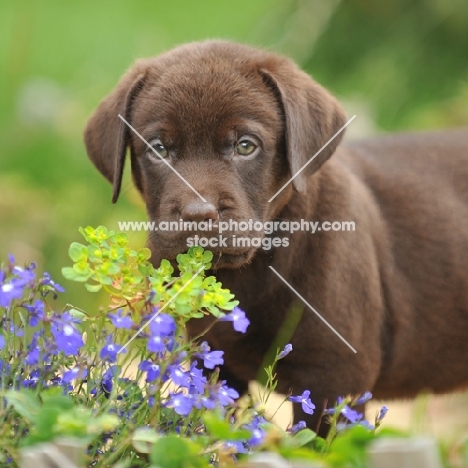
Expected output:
(245, 148)
(159, 148)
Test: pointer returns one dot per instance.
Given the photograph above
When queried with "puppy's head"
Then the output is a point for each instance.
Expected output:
(230, 125)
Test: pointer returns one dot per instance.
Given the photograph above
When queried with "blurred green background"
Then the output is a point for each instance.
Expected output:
(398, 65)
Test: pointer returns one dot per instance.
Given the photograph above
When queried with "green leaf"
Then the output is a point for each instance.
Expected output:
(300, 439)
(93, 287)
(77, 252)
(143, 439)
(78, 314)
(25, 402)
(221, 429)
(174, 452)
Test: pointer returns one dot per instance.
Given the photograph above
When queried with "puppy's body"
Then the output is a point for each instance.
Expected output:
(396, 288)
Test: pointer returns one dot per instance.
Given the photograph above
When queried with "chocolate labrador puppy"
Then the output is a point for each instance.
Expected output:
(237, 123)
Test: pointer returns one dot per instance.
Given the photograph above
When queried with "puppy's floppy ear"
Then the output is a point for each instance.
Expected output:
(106, 135)
(312, 117)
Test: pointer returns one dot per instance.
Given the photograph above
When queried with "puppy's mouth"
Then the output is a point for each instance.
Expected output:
(231, 259)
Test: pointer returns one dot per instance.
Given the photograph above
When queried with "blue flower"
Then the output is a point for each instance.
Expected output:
(351, 415)
(226, 395)
(24, 276)
(152, 370)
(181, 403)
(364, 398)
(108, 377)
(2, 341)
(210, 358)
(16, 331)
(257, 434)
(383, 411)
(179, 376)
(47, 281)
(366, 424)
(239, 321)
(235, 446)
(120, 321)
(199, 381)
(33, 379)
(307, 406)
(9, 291)
(159, 344)
(287, 349)
(297, 427)
(34, 352)
(162, 325)
(110, 350)
(75, 373)
(207, 402)
(67, 338)
(36, 312)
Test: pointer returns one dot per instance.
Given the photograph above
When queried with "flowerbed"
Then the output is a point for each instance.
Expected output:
(125, 381)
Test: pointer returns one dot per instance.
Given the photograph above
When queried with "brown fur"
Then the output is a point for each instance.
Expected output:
(396, 288)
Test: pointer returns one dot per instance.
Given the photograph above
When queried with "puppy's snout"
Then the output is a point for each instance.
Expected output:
(199, 211)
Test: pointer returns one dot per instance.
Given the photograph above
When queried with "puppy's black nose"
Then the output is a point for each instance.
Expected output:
(199, 211)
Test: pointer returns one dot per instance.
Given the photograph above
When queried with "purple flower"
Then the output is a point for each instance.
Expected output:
(351, 415)
(366, 424)
(210, 358)
(9, 291)
(364, 398)
(307, 406)
(226, 395)
(207, 402)
(108, 377)
(36, 312)
(47, 281)
(162, 325)
(33, 356)
(2, 341)
(287, 349)
(75, 373)
(120, 321)
(199, 381)
(159, 344)
(33, 379)
(15, 331)
(152, 370)
(68, 339)
(110, 350)
(181, 403)
(298, 427)
(24, 276)
(257, 433)
(235, 446)
(383, 411)
(34, 351)
(239, 321)
(179, 376)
